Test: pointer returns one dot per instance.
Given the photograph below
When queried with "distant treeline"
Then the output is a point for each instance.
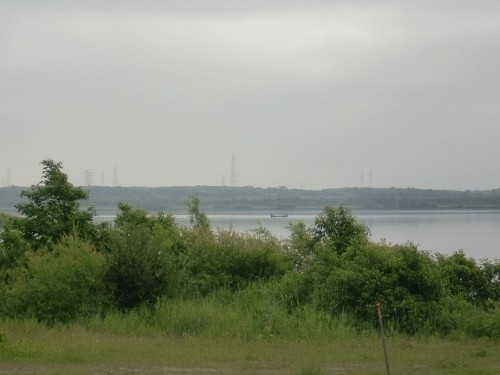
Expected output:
(224, 198)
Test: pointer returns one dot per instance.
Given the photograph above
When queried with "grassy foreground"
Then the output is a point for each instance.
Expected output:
(30, 348)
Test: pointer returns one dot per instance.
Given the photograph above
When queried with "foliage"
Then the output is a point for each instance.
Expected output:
(229, 259)
(405, 279)
(464, 278)
(339, 227)
(52, 210)
(300, 244)
(58, 285)
(140, 253)
(456, 315)
(193, 280)
(491, 272)
(12, 245)
(197, 218)
(3, 219)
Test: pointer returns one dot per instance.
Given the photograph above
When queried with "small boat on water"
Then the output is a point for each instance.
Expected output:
(279, 215)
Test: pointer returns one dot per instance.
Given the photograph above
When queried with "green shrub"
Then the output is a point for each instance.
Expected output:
(491, 272)
(403, 278)
(251, 257)
(141, 256)
(203, 263)
(12, 245)
(464, 278)
(229, 259)
(339, 227)
(294, 290)
(58, 285)
(455, 315)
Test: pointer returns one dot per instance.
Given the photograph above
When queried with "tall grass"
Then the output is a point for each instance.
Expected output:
(256, 312)
(249, 314)
(248, 331)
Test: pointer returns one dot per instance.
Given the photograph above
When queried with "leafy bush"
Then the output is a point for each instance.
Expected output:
(402, 277)
(12, 245)
(229, 259)
(419, 292)
(464, 278)
(254, 257)
(491, 273)
(456, 315)
(141, 256)
(339, 227)
(58, 285)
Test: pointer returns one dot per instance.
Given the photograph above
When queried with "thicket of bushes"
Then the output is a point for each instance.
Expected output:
(197, 280)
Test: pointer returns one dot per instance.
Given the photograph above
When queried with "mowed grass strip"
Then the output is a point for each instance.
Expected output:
(30, 348)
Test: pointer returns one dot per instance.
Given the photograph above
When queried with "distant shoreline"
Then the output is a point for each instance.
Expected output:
(274, 200)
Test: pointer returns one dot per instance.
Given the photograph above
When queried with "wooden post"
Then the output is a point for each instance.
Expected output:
(382, 336)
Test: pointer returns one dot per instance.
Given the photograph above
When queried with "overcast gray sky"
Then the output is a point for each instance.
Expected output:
(306, 94)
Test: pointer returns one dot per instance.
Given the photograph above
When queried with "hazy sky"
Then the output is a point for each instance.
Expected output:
(306, 94)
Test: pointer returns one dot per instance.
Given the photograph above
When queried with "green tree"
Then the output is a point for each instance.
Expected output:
(339, 227)
(53, 208)
(142, 257)
(300, 245)
(197, 218)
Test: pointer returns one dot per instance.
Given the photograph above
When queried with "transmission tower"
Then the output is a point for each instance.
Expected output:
(88, 178)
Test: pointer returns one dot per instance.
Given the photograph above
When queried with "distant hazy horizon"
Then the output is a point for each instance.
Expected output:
(306, 94)
(251, 186)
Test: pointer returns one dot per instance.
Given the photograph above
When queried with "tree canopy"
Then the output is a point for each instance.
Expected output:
(340, 227)
(53, 208)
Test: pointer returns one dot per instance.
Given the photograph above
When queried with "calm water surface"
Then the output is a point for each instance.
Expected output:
(477, 233)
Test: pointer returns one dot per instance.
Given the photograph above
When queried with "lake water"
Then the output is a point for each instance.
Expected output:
(476, 232)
